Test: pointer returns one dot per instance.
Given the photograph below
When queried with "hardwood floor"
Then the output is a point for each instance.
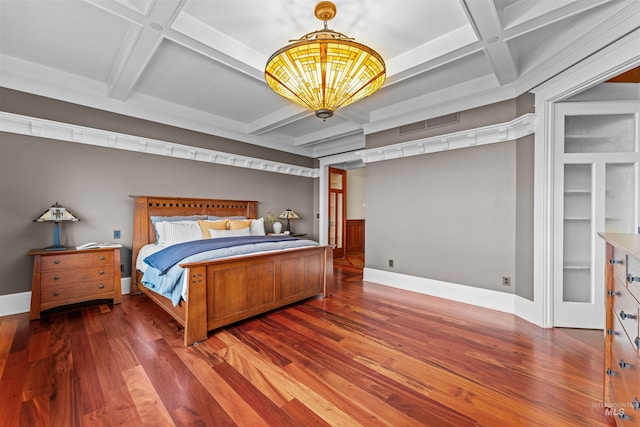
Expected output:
(368, 355)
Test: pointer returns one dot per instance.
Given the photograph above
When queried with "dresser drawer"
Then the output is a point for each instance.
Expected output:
(624, 374)
(79, 260)
(633, 278)
(625, 308)
(624, 357)
(57, 277)
(55, 296)
(619, 262)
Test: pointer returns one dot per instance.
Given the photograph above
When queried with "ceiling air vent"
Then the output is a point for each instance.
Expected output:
(413, 127)
(449, 119)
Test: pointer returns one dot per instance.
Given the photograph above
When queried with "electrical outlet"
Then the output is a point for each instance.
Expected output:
(116, 234)
(390, 263)
(506, 281)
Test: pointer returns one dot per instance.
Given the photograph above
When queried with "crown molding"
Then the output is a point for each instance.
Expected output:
(33, 126)
(501, 132)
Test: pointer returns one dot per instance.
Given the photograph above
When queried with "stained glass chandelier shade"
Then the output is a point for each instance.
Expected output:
(325, 70)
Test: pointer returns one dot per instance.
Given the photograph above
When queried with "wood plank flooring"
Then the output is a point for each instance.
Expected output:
(369, 355)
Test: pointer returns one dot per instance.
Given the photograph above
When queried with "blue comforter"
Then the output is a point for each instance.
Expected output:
(168, 257)
(168, 281)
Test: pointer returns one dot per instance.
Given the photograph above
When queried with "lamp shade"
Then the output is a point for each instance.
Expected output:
(325, 70)
(57, 213)
(288, 214)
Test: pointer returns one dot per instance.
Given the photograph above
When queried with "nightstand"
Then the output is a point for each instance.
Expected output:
(72, 276)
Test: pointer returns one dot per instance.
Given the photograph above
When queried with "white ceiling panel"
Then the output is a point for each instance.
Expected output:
(49, 33)
(182, 76)
(202, 60)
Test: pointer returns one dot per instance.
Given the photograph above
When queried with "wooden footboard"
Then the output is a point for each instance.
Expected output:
(225, 291)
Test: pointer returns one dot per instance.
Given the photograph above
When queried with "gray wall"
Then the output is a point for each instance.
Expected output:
(463, 216)
(96, 182)
(356, 184)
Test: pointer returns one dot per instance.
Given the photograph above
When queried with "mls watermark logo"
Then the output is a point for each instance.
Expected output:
(615, 412)
(614, 409)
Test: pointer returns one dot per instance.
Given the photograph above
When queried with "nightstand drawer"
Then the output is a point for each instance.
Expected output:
(55, 296)
(57, 277)
(60, 262)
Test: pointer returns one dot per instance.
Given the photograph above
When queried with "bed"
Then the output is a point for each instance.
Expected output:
(222, 291)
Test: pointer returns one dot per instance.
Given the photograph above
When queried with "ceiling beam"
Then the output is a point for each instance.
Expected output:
(144, 37)
(484, 17)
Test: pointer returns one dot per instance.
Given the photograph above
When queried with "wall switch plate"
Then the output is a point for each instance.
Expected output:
(390, 263)
(116, 234)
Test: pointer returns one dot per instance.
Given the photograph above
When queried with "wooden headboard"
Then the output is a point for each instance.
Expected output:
(147, 206)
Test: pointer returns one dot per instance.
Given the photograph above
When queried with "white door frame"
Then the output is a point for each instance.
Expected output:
(624, 54)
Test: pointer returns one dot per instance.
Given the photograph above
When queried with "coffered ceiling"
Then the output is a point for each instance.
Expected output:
(199, 64)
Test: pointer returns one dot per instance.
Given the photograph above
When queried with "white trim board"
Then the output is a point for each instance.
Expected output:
(33, 126)
(486, 298)
(21, 302)
(15, 303)
(501, 132)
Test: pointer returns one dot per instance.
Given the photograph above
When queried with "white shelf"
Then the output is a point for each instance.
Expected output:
(577, 267)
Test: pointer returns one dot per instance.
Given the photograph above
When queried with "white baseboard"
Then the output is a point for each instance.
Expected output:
(15, 303)
(125, 284)
(500, 301)
(21, 302)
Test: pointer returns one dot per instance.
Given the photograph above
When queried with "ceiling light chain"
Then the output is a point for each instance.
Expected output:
(325, 70)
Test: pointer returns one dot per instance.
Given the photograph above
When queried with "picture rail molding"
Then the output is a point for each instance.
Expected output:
(33, 126)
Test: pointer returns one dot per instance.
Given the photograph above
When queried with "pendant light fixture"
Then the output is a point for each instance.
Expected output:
(325, 70)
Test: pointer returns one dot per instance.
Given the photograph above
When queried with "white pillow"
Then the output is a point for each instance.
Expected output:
(229, 233)
(172, 232)
(257, 227)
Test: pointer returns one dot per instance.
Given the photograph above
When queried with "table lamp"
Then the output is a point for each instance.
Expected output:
(56, 214)
(289, 215)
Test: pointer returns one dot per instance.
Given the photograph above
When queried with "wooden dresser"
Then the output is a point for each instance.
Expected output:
(622, 348)
(71, 276)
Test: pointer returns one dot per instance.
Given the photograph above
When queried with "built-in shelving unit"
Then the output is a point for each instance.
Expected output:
(597, 190)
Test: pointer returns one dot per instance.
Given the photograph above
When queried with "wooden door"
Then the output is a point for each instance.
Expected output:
(337, 210)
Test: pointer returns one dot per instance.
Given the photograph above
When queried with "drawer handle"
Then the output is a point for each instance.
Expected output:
(613, 293)
(101, 286)
(636, 404)
(624, 315)
(55, 293)
(56, 278)
(102, 258)
(614, 261)
(101, 271)
(624, 364)
(611, 372)
(611, 332)
(623, 416)
(55, 261)
(631, 278)
(637, 341)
